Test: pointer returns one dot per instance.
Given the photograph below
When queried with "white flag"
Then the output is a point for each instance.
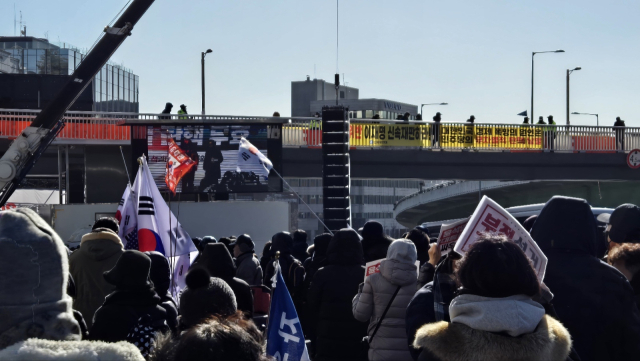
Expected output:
(129, 216)
(250, 159)
(158, 229)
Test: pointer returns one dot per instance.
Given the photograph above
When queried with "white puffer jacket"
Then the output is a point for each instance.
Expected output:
(397, 270)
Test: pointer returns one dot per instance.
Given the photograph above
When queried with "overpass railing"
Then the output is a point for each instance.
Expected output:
(382, 133)
(364, 133)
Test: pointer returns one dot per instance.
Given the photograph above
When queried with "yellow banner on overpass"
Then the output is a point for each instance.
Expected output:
(389, 135)
(491, 136)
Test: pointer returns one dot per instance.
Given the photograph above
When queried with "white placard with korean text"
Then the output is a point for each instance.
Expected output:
(374, 267)
(489, 217)
(449, 234)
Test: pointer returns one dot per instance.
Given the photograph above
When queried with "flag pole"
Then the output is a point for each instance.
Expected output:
(125, 167)
(302, 200)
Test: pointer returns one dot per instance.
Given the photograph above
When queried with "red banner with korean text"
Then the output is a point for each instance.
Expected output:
(178, 165)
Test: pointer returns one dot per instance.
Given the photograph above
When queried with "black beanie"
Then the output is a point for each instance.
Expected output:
(160, 273)
(131, 271)
(205, 296)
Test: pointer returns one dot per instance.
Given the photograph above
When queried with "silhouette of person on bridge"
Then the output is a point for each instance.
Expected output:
(435, 130)
(619, 131)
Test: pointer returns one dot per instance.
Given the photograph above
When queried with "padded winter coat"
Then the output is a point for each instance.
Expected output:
(334, 333)
(248, 268)
(397, 270)
(550, 341)
(98, 253)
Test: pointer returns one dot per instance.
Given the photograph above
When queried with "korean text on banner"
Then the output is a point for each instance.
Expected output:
(178, 165)
(389, 135)
(449, 234)
(491, 136)
(374, 267)
(489, 217)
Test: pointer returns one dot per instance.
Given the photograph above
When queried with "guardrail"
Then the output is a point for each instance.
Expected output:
(364, 133)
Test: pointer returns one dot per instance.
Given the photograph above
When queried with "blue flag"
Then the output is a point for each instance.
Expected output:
(524, 114)
(285, 340)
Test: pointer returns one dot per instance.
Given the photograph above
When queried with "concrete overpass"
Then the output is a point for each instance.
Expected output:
(459, 199)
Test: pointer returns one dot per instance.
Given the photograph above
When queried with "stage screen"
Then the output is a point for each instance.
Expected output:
(215, 149)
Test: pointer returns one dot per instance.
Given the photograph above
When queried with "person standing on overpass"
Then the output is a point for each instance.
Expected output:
(619, 130)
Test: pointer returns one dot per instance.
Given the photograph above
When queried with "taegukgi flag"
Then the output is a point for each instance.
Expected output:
(129, 215)
(285, 340)
(156, 228)
(250, 159)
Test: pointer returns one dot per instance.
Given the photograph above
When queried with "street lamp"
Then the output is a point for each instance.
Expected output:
(204, 53)
(568, 73)
(532, 54)
(422, 105)
(597, 119)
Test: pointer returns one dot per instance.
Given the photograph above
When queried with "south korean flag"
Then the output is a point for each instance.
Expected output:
(250, 159)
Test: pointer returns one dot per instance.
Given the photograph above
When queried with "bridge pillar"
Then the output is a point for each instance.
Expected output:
(335, 168)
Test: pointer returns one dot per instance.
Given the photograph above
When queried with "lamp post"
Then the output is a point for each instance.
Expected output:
(422, 105)
(204, 53)
(569, 73)
(532, 55)
(597, 119)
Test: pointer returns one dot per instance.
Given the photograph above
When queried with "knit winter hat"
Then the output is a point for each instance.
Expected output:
(160, 272)
(34, 270)
(625, 224)
(372, 229)
(205, 296)
(131, 271)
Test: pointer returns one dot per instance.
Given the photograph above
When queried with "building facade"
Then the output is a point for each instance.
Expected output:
(40, 69)
(309, 96)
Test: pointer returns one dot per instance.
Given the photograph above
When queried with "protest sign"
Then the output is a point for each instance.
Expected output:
(374, 267)
(449, 234)
(489, 217)
(389, 135)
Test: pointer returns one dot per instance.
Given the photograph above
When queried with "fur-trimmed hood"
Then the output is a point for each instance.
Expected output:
(102, 233)
(44, 350)
(550, 341)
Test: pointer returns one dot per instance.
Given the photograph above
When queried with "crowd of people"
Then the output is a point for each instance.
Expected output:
(102, 302)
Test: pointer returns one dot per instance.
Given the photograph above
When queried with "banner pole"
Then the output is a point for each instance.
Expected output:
(302, 200)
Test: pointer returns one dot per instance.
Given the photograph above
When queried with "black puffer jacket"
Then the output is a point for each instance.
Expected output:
(121, 311)
(335, 333)
(592, 299)
(319, 259)
(374, 241)
(218, 262)
(292, 270)
(160, 274)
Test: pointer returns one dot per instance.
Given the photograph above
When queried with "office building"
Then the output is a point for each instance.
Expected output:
(38, 69)
(309, 96)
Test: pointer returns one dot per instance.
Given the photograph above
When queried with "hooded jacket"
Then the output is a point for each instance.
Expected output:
(593, 300)
(99, 251)
(398, 270)
(47, 350)
(217, 260)
(549, 341)
(374, 242)
(160, 274)
(248, 268)
(292, 270)
(319, 258)
(334, 333)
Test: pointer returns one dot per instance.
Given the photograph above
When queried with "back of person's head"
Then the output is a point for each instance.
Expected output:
(406, 116)
(497, 268)
(107, 222)
(217, 260)
(626, 258)
(373, 229)
(299, 236)
(244, 242)
(34, 271)
(528, 223)
(160, 272)
(276, 114)
(216, 339)
(204, 297)
(281, 241)
(402, 251)
(345, 248)
(321, 245)
(421, 240)
(205, 241)
(625, 224)
(266, 250)
(566, 224)
(131, 271)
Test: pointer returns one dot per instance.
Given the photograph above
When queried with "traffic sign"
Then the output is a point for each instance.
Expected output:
(633, 159)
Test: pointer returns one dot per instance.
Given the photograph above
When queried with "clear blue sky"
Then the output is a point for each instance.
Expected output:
(475, 55)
